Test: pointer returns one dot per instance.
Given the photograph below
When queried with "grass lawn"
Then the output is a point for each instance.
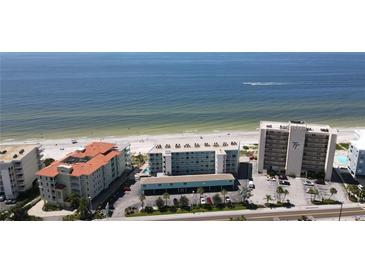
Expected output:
(342, 146)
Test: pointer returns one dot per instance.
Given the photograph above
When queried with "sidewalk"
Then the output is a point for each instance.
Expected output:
(233, 212)
(37, 211)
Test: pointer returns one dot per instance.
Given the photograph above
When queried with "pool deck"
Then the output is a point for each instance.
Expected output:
(339, 157)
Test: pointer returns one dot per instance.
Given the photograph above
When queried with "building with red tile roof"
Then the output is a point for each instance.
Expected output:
(86, 172)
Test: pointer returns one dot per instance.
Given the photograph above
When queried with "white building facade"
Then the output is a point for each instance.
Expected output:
(18, 165)
(296, 148)
(181, 157)
(356, 156)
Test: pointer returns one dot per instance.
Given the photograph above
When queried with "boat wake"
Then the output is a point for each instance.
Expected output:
(264, 83)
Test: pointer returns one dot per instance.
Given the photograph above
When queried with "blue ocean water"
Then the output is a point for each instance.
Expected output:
(100, 94)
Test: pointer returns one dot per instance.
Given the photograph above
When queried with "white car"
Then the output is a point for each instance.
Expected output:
(251, 184)
(308, 183)
(228, 200)
(203, 201)
(2, 198)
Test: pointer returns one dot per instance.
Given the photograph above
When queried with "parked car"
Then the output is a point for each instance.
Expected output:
(308, 183)
(283, 177)
(209, 201)
(228, 199)
(2, 198)
(251, 184)
(126, 188)
(320, 182)
(285, 183)
(203, 201)
(10, 202)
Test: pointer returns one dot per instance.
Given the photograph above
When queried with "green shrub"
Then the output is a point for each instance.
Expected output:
(148, 209)
(160, 203)
(50, 207)
(352, 198)
(48, 161)
(326, 202)
(173, 209)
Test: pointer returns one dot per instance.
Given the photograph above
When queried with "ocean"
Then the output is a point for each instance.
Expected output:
(56, 95)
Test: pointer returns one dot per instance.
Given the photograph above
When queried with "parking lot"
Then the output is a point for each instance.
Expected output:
(297, 194)
(263, 186)
(297, 190)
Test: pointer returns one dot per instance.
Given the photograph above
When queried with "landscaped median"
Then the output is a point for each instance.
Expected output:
(165, 210)
(355, 194)
(326, 202)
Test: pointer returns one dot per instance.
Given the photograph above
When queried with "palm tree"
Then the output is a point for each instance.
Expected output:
(332, 191)
(245, 194)
(75, 200)
(286, 192)
(83, 209)
(166, 196)
(314, 192)
(279, 192)
(224, 193)
(142, 197)
(200, 191)
(268, 199)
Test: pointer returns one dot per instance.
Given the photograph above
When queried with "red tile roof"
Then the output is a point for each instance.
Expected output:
(49, 171)
(93, 149)
(100, 153)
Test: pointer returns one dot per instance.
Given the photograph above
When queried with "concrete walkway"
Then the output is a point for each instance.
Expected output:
(37, 211)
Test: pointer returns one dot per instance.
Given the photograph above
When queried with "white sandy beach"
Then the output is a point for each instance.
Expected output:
(57, 148)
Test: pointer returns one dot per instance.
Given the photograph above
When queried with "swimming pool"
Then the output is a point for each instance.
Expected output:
(342, 159)
(146, 170)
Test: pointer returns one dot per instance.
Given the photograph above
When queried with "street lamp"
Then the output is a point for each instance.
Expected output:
(192, 203)
(90, 203)
(339, 216)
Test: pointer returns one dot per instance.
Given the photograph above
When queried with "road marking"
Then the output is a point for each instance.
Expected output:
(312, 214)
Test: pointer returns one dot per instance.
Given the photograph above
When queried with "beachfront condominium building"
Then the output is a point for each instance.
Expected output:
(183, 157)
(86, 172)
(297, 149)
(356, 156)
(18, 165)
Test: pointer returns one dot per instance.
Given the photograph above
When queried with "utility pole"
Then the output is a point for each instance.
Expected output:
(339, 217)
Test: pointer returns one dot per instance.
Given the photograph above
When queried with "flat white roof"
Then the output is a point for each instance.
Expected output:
(317, 128)
(186, 178)
(11, 150)
(359, 143)
(202, 144)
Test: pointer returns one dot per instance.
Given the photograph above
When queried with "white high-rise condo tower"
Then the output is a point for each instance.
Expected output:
(296, 148)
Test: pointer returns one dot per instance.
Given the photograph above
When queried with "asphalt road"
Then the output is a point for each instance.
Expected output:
(275, 215)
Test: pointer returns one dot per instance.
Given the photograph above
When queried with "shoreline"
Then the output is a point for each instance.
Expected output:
(58, 148)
